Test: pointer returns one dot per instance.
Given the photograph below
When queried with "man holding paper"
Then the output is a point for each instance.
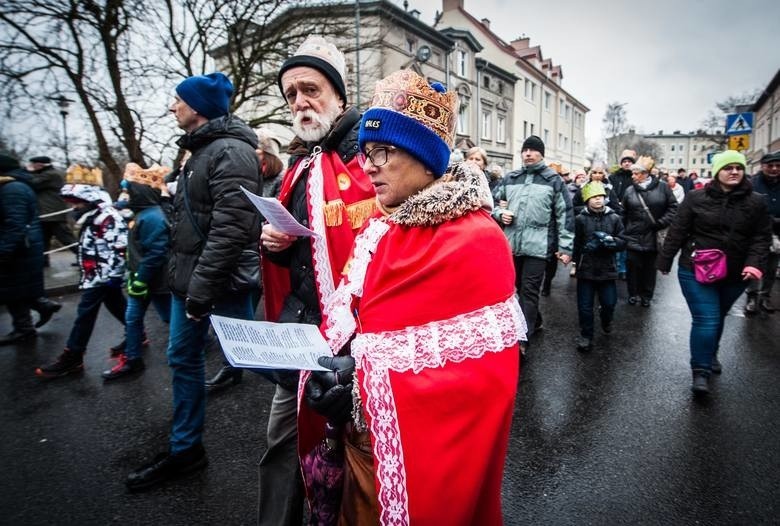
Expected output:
(326, 191)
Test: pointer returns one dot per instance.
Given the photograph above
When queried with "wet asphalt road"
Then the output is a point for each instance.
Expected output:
(611, 437)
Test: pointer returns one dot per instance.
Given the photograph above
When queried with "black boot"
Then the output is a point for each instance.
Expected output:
(67, 363)
(167, 466)
(751, 307)
(120, 347)
(226, 376)
(46, 309)
(765, 304)
(701, 382)
(16, 336)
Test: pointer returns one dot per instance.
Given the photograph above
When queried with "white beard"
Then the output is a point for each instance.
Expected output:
(318, 126)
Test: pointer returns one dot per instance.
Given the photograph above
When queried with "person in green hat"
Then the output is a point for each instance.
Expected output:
(598, 232)
(727, 216)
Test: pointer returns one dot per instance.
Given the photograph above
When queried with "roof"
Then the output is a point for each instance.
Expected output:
(773, 84)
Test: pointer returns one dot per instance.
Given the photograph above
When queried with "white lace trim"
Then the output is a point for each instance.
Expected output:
(470, 335)
(340, 319)
(323, 272)
(433, 345)
(393, 497)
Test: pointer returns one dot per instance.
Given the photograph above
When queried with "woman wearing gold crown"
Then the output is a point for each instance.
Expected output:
(427, 342)
(649, 207)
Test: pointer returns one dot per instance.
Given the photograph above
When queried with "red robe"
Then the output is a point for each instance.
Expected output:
(437, 359)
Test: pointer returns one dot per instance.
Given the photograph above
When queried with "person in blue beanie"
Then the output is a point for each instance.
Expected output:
(214, 261)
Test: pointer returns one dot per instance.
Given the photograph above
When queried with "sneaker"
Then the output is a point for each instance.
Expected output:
(701, 383)
(584, 344)
(717, 368)
(573, 271)
(120, 347)
(633, 300)
(645, 302)
(67, 363)
(606, 327)
(167, 466)
(545, 291)
(124, 367)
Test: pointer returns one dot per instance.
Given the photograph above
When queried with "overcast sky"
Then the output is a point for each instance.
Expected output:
(670, 60)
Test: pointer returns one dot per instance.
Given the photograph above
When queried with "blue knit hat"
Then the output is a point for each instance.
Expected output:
(414, 116)
(209, 95)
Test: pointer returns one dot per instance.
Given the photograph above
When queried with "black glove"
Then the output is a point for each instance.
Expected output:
(329, 393)
(196, 309)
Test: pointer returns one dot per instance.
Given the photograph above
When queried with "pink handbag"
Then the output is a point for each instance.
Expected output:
(709, 265)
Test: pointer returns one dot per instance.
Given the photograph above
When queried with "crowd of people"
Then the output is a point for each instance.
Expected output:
(395, 220)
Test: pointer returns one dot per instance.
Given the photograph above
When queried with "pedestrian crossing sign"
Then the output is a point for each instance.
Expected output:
(739, 123)
(739, 142)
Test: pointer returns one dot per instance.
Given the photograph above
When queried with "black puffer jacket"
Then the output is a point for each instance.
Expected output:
(302, 305)
(737, 223)
(640, 228)
(47, 184)
(600, 264)
(621, 181)
(223, 159)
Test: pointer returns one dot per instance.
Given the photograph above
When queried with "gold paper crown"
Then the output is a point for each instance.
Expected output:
(153, 176)
(646, 162)
(408, 93)
(77, 174)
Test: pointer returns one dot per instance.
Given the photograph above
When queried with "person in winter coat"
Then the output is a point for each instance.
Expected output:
(21, 249)
(726, 215)
(598, 174)
(147, 260)
(598, 235)
(269, 161)
(102, 251)
(649, 206)
(47, 182)
(675, 187)
(767, 183)
(213, 262)
(538, 222)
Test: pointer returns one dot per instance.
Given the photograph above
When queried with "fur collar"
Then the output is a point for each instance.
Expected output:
(462, 189)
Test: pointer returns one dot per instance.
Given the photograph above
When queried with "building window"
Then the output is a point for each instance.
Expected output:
(568, 112)
(463, 120)
(501, 128)
(693, 161)
(561, 107)
(661, 161)
(673, 147)
(486, 124)
(547, 100)
(671, 160)
(463, 63)
(532, 128)
(530, 90)
(680, 160)
(410, 45)
(560, 140)
(525, 129)
(500, 88)
(681, 147)
(486, 82)
(546, 136)
(694, 147)
(437, 57)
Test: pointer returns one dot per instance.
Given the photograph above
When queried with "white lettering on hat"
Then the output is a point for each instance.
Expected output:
(373, 123)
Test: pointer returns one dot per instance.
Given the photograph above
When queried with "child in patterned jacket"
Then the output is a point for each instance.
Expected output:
(101, 256)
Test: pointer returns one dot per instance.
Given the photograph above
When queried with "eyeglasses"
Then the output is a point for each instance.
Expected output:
(380, 154)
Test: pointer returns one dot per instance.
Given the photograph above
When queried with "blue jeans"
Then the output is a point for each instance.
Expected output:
(87, 312)
(620, 257)
(134, 320)
(587, 289)
(186, 358)
(709, 305)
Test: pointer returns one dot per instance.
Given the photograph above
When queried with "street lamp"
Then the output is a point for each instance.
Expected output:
(64, 102)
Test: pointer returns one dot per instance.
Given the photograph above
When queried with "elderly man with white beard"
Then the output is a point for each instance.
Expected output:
(326, 190)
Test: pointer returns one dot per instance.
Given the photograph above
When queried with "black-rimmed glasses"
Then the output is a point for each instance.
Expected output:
(380, 154)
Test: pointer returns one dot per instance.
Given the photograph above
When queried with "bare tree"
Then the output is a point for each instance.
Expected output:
(715, 122)
(615, 125)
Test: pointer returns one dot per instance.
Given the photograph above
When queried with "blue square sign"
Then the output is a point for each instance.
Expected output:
(739, 123)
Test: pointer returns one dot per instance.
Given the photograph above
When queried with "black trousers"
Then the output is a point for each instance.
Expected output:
(61, 231)
(529, 274)
(640, 273)
(20, 314)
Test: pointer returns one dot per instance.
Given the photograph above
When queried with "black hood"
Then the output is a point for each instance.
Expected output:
(142, 196)
(20, 174)
(228, 126)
